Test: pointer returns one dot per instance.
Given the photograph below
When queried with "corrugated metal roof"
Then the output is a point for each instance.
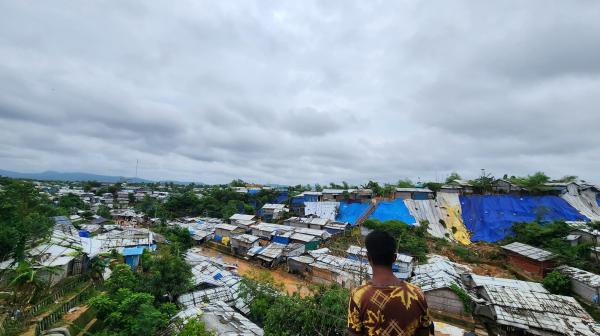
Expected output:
(241, 217)
(424, 190)
(220, 317)
(533, 310)
(438, 272)
(272, 251)
(226, 227)
(246, 238)
(479, 280)
(302, 237)
(529, 251)
(274, 206)
(585, 277)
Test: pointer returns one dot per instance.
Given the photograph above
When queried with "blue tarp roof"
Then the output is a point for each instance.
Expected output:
(396, 209)
(490, 217)
(351, 212)
(133, 251)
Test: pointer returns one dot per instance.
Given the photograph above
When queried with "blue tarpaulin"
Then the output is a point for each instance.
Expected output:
(281, 240)
(490, 218)
(282, 197)
(598, 199)
(297, 200)
(351, 212)
(311, 198)
(396, 209)
(84, 233)
(217, 238)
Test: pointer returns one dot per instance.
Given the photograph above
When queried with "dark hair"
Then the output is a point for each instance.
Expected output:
(381, 247)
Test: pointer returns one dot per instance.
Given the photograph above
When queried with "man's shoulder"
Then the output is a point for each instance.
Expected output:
(358, 293)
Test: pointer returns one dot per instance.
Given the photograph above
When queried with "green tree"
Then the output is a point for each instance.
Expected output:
(24, 217)
(375, 187)
(567, 179)
(405, 183)
(557, 283)
(237, 183)
(169, 275)
(452, 177)
(389, 190)
(121, 277)
(129, 313)
(27, 281)
(534, 183)
(183, 204)
(104, 212)
(433, 186)
(71, 203)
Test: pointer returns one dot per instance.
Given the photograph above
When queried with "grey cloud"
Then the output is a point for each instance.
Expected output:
(302, 91)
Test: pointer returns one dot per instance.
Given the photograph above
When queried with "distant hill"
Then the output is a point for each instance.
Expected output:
(69, 177)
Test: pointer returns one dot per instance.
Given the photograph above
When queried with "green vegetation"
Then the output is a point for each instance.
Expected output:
(533, 183)
(125, 312)
(142, 303)
(320, 313)
(557, 283)
(179, 238)
(104, 212)
(195, 327)
(464, 297)
(28, 282)
(453, 177)
(411, 240)
(466, 254)
(216, 202)
(549, 236)
(24, 217)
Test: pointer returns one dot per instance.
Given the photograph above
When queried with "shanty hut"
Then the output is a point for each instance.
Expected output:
(242, 220)
(438, 280)
(414, 193)
(583, 283)
(299, 264)
(224, 232)
(528, 258)
(502, 186)
(272, 211)
(243, 242)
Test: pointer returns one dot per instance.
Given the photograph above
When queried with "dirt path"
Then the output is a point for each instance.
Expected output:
(290, 281)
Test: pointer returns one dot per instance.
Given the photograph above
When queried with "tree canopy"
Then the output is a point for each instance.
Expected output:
(24, 216)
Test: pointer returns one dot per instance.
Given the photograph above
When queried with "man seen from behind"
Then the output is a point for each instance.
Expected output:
(387, 306)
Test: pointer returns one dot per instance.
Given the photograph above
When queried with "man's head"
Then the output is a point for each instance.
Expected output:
(381, 248)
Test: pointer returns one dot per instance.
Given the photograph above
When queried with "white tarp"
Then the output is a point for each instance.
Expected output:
(326, 210)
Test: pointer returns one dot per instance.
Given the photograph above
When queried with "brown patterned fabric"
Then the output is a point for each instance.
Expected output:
(387, 310)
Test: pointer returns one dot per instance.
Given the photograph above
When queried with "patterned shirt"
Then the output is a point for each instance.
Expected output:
(387, 310)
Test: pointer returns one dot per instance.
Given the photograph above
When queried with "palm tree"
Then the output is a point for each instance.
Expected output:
(27, 281)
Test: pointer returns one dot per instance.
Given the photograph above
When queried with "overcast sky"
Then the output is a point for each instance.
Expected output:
(302, 91)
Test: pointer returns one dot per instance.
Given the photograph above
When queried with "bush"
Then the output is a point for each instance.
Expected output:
(557, 283)
(410, 239)
(466, 254)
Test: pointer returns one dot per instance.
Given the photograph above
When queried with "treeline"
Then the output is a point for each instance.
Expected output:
(215, 202)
